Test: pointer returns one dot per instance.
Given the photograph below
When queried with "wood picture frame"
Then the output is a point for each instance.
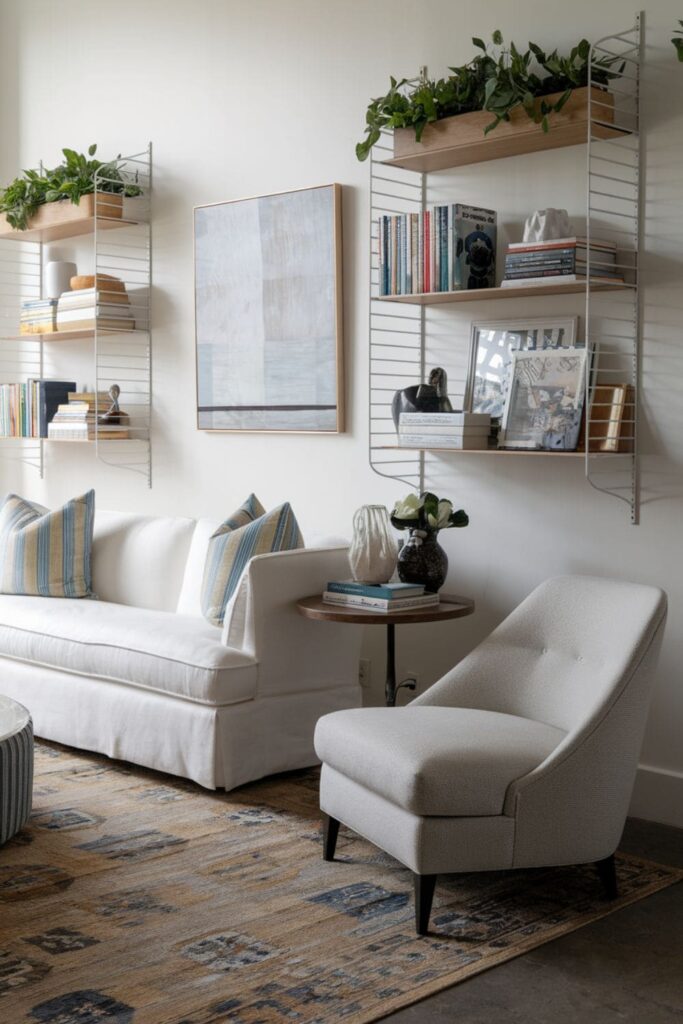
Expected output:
(268, 313)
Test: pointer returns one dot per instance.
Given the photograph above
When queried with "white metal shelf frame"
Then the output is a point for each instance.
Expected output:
(612, 329)
(121, 248)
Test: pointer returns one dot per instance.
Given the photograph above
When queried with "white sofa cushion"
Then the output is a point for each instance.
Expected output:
(176, 654)
(435, 760)
(140, 560)
(190, 599)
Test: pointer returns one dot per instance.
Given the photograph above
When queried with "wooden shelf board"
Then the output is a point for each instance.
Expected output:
(497, 145)
(68, 229)
(85, 335)
(493, 451)
(517, 292)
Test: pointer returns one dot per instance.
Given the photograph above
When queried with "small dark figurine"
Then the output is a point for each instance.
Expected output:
(431, 397)
(113, 414)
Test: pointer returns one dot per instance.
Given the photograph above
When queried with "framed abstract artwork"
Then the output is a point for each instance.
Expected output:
(491, 347)
(544, 403)
(268, 313)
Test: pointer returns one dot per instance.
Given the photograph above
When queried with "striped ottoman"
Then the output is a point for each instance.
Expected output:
(16, 767)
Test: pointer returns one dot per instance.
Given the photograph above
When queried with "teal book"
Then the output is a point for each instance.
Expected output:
(388, 591)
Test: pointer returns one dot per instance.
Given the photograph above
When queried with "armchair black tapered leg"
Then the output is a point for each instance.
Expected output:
(424, 894)
(330, 833)
(608, 876)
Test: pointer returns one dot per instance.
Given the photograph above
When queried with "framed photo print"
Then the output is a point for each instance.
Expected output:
(491, 347)
(268, 313)
(544, 403)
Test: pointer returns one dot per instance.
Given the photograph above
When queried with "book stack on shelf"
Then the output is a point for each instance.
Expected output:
(106, 306)
(379, 597)
(468, 431)
(38, 316)
(26, 409)
(75, 420)
(446, 248)
(564, 259)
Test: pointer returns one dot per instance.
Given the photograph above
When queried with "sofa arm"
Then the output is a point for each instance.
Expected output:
(294, 654)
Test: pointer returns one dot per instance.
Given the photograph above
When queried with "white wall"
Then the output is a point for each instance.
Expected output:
(242, 98)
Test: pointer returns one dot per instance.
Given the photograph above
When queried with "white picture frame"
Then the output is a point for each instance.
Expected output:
(492, 343)
(545, 399)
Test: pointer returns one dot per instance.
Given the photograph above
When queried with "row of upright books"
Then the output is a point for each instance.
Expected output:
(467, 431)
(446, 248)
(26, 409)
(565, 259)
(106, 307)
(378, 597)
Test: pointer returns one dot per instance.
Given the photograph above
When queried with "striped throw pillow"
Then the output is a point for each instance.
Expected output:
(43, 553)
(250, 531)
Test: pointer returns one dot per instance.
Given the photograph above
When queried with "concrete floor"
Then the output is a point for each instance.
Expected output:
(624, 969)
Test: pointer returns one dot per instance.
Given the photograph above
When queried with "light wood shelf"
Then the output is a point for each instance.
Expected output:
(84, 335)
(516, 292)
(492, 451)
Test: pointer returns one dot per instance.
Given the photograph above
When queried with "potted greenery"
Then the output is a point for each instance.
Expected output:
(37, 198)
(500, 88)
(422, 559)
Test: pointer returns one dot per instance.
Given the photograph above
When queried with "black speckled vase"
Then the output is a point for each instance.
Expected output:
(423, 560)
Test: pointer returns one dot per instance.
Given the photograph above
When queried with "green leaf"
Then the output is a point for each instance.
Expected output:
(678, 43)
(497, 37)
(544, 123)
(92, 149)
(479, 42)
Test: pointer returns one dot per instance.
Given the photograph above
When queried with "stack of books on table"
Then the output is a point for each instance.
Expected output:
(87, 308)
(562, 259)
(379, 597)
(75, 420)
(468, 431)
(38, 316)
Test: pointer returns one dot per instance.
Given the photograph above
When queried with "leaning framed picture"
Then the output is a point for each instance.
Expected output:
(544, 403)
(491, 346)
(268, 313)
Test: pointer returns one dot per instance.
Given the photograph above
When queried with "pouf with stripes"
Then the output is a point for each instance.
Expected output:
(16, 767)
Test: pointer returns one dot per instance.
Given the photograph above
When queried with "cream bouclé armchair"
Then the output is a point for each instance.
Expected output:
(524, 755)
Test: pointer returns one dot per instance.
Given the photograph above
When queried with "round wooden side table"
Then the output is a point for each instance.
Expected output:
(449, 607)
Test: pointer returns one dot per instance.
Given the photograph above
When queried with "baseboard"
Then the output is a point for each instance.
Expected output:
(658, 796)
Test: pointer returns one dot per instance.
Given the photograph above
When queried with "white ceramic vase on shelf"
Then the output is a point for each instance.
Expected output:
(374, 549)
(58, 274)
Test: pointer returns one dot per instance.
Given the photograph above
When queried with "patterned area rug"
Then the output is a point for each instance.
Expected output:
(135, 898)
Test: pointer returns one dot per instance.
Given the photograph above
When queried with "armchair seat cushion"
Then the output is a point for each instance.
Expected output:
(435, 761)
(180, 655)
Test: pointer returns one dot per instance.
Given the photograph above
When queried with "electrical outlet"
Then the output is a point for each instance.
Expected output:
(364, 675)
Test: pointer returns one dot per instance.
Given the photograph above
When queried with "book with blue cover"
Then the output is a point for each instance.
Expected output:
(387, 591)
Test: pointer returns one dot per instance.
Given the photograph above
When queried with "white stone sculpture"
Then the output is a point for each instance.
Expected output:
(545, 225)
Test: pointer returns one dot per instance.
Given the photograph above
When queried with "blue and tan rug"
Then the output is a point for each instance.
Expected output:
(135, 898)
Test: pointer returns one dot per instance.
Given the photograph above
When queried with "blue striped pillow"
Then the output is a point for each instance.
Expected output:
(43, 553)
(250, 531)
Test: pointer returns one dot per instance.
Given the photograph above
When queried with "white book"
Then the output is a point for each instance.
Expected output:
(451, 431)
(445, 419)
(445, 441)
(551, 279)
(598, 243)
(380, 604)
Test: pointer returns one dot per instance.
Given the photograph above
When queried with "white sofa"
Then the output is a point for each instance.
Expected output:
(140, 675)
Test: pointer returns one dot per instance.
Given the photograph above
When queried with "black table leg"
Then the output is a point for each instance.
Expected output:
(390, 684)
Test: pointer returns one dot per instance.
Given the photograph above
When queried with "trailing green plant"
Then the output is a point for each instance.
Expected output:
(678, 42)
(500, 79)
(74, 178)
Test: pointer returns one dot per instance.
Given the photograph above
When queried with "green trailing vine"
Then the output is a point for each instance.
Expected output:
(72, 179)
(678, 42)
(500, 79)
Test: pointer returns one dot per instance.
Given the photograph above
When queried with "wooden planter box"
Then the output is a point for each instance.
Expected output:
(63, 219)
(460, 140)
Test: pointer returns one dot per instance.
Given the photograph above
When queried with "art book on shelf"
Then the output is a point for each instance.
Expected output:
(388, 591)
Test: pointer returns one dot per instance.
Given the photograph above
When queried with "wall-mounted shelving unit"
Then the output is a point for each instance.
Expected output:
(118, 246)
(400, 328)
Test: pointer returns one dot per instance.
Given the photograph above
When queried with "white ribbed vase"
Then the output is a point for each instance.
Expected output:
(374, 549)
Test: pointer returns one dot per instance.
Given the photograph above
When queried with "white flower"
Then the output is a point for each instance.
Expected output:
(440, 520)
(409, 508)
